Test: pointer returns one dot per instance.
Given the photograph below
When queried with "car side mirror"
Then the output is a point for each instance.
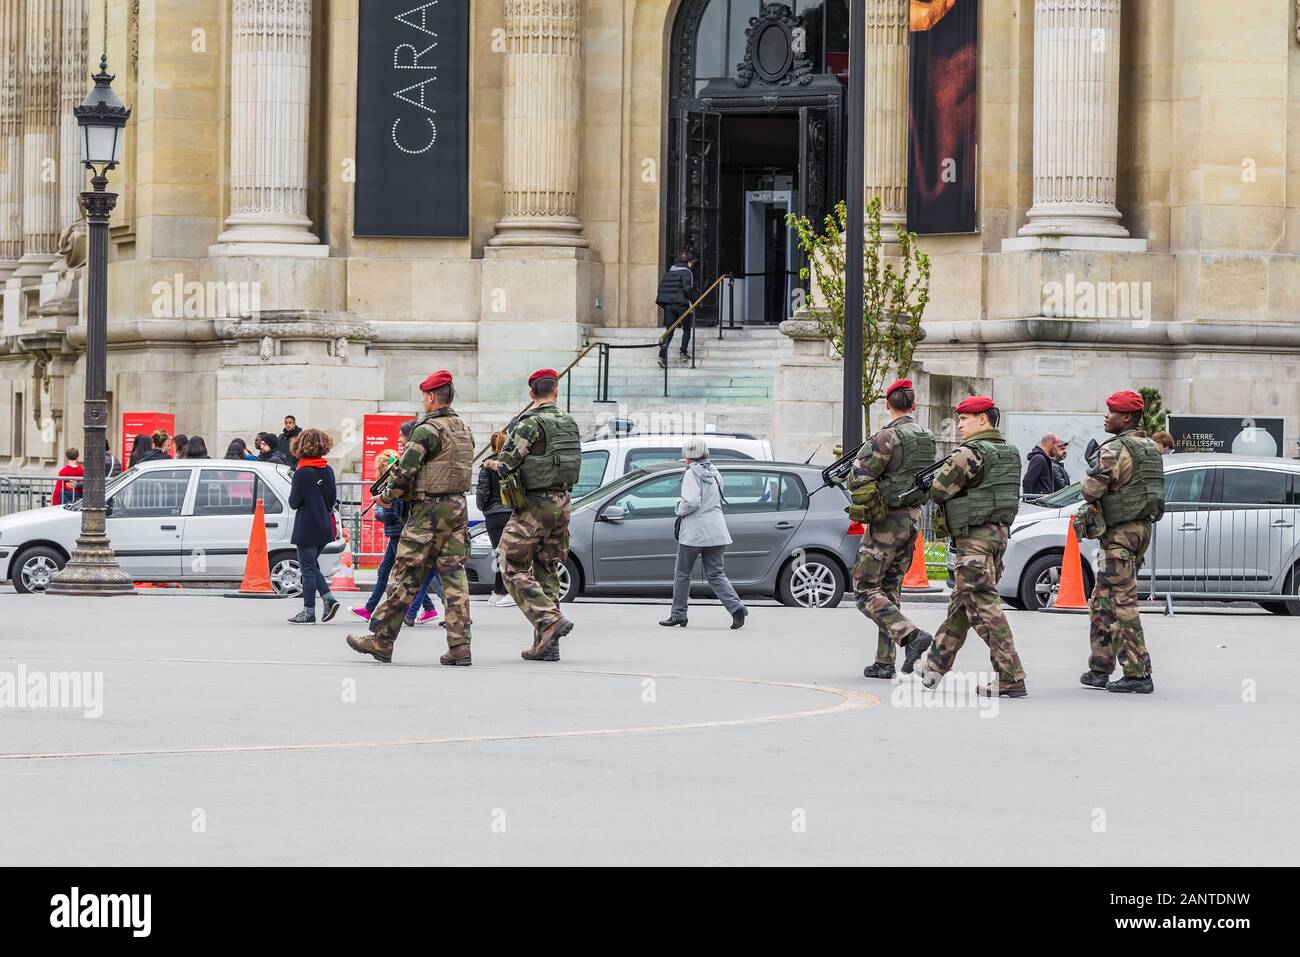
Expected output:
(613, 514)
(108, 508)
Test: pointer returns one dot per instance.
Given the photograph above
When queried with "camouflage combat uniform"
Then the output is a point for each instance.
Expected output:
(888, 546)
(434, 475)
(544, 448)
(977, 549)
(1115, 625)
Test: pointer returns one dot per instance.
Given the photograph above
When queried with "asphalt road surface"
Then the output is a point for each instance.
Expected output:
(222, 735)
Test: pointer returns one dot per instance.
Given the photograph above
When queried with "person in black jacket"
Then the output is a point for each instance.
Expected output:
(495, 516)
(313, 496)
(285, 441)
(139, 450)
(159, 441)
(1041, 475)
(267, 446)
(674, 298)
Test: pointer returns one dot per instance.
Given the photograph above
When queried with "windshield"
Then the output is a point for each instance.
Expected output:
(598, 495)
(1070, 495)
(113, 485)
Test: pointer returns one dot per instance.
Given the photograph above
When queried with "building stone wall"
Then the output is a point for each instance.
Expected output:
(1206, 184)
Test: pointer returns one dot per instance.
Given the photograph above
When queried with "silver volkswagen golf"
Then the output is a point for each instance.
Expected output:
(790, 536)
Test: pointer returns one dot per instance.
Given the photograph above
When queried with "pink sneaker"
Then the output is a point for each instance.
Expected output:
(429, 615)
(361, 611)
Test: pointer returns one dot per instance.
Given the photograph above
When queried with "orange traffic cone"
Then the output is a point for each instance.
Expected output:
(917, 580)
(257, 566)
(345, 579)
(1069, 592)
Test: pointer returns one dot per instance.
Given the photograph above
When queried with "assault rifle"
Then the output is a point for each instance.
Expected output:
(379, 486)
(838, 471)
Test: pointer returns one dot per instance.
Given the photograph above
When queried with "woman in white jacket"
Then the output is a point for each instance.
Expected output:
(701, 534)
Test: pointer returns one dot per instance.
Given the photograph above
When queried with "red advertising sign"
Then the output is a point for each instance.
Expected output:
(379, 434)
(145, 423)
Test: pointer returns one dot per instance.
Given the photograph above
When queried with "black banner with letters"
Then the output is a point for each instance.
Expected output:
(944, 56)
(412, 172)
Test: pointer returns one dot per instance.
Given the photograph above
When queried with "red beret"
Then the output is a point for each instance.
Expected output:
(1125, 402)
(900, 384)
(543, 374)
(437, 380)
(975, 404)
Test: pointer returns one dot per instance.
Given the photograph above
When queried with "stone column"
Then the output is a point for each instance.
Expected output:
(11, 138)
(1076, 119)
(270, 72)
(542, 110)
(888, 52)
(74, 84)
(40, 103)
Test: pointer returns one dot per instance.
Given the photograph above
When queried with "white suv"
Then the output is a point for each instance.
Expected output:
(606, 459)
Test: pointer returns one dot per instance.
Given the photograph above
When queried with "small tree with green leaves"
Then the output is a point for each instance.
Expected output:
(1154, 415)
(895, 292)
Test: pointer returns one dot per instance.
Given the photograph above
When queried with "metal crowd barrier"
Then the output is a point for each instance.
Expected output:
(18, 493)
(1228, 552)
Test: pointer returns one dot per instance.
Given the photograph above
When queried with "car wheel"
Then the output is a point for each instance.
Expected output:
(1290, 587)
(1041, 580)
(813, 581)
(286, 576)
(33, 569)
(570, 580)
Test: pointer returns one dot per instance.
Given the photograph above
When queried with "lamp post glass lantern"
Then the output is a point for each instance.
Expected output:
(93, 569)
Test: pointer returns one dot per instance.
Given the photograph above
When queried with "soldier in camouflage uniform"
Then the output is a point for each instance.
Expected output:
(434, 475)
(1125, 484)
(543, 454)
(890, 460)
(978, 490)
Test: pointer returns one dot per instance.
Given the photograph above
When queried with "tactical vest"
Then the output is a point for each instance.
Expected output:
(1143, 496)
(994, 497)
(448, 472)
(560, 461)
(897, 486)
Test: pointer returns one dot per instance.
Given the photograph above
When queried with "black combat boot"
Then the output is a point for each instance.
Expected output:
(457, 655)
(878, 671)
(917, 645)
(1093, 679)
(1127, 685)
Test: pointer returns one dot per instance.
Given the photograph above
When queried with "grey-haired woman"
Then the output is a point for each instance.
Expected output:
(701, 536)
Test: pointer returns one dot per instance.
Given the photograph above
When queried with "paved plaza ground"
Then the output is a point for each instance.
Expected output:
(230, 737)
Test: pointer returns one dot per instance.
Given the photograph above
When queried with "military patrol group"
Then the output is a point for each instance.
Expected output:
(538, 466)
(975, 491)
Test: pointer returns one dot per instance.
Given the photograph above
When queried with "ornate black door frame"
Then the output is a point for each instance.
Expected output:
(773, 78)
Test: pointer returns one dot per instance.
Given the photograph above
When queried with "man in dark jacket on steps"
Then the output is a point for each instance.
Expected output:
(674, 298)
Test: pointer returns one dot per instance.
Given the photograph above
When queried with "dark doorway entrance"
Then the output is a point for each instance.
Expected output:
(749, 148)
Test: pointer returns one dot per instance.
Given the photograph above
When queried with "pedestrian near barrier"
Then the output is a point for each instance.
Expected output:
(433, 474)
(538, 465)
(1124, 495)
(701, 532)
(978, 492)
(676, 287)
(882, 487)
(314, 497)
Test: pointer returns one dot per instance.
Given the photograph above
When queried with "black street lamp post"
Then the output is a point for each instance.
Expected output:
(92, 569)
(855, 207)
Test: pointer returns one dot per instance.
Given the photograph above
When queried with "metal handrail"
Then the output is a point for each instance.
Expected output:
(602, 375)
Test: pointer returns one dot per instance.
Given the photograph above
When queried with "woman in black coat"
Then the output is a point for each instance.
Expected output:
(313, 496)
(495, 515)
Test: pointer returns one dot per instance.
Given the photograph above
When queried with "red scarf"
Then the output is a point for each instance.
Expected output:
(313, 464)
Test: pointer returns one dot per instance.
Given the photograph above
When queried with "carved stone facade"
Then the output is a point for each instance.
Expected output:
(1136, 147)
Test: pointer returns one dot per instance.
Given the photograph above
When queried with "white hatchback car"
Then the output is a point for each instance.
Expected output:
(178, 520)
(605, 459)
